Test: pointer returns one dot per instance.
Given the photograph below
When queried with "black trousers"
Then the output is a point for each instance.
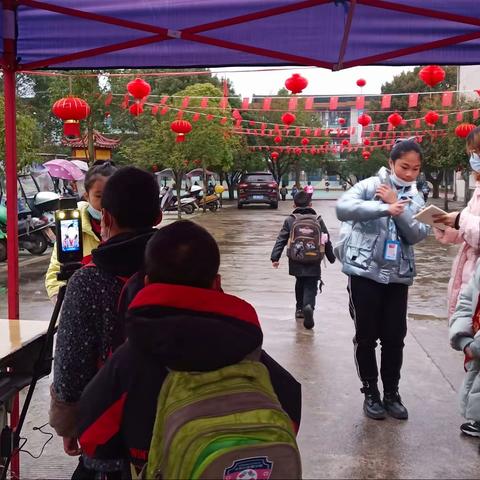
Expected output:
(380, 313)
(306, 289)
(83, 473)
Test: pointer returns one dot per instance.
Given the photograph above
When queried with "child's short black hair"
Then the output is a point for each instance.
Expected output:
(131, 196)
(97, 170)
(403, 146)
(302, 199)
(182, 253)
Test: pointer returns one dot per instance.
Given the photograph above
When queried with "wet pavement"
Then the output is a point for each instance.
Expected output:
(335, 438)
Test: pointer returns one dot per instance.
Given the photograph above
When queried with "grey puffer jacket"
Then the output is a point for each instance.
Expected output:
(465, 332)
(369, 225)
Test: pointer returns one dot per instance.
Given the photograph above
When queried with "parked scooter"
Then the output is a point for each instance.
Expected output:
(169, 203)
(211, 200)
(34, 234)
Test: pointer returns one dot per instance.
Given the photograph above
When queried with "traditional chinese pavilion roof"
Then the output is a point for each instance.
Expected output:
(99, 141)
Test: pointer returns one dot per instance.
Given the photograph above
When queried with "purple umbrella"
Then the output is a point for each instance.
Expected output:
(63, 169)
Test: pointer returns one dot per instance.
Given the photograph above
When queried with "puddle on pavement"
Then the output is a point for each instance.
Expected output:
(428, 295)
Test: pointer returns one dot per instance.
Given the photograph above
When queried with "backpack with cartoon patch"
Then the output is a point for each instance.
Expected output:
(225, 424)
(305, 242)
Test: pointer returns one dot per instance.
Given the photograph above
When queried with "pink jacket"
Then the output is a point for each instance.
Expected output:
(469, 236)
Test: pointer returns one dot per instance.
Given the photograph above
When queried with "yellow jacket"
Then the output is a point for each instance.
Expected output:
(90, 242)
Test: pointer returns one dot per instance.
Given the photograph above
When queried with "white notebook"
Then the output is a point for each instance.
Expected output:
(426, 216)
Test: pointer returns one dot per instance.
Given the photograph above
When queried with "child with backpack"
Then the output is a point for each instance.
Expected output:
(88, 329)
(306, 237)
(190, 394)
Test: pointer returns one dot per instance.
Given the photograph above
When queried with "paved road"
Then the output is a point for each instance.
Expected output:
(336, 440)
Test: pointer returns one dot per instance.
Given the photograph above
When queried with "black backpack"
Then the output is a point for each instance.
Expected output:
(305, 242)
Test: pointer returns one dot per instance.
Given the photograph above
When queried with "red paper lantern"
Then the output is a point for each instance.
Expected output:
(345, 143)
(395, 119)
(296, 83)
(71, 110)
(361, 82)
(431, 75)
(274, 156)
(364, 120)
(138, 88)
(288, 118)
(366, 141)
(181, 128)
(305, 141)
(431, 117)
(366, 155)
(136, 109)
(277, 139)
(342, 121)
(464, 129)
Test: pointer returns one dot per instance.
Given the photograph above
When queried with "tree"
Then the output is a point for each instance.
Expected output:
(27, 136)
(441, 154)
(209, 144)
(39, 92)
(290, 137)
(356, 165)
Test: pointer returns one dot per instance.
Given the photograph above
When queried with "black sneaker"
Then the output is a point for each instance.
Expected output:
(372, 405)
(471, 428)
(308, 322)
(394, 406)
(299, 313)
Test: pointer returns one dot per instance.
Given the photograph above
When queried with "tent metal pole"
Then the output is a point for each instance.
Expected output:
(9, 80)
(11, 181)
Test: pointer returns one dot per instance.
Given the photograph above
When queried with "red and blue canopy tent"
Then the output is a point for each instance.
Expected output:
(332, 34)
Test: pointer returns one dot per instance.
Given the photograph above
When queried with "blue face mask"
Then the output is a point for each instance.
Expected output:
(475, 162)
(94, 213)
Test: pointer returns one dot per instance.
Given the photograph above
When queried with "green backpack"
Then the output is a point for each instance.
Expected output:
(225, 424)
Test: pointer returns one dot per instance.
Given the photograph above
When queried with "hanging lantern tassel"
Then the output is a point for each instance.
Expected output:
(181, 128)
(71, 128)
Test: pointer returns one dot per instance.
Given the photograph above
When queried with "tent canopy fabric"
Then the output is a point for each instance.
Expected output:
(335, 34)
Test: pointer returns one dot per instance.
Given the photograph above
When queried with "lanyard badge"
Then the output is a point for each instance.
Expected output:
(392, 245)
(392, 248)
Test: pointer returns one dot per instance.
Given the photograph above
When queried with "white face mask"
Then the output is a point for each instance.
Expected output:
(399, 182)
(475, 162)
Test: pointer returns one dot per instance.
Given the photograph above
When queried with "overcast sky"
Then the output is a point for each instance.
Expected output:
(320, 81)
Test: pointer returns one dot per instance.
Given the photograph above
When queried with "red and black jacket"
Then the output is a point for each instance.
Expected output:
(182, 328)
